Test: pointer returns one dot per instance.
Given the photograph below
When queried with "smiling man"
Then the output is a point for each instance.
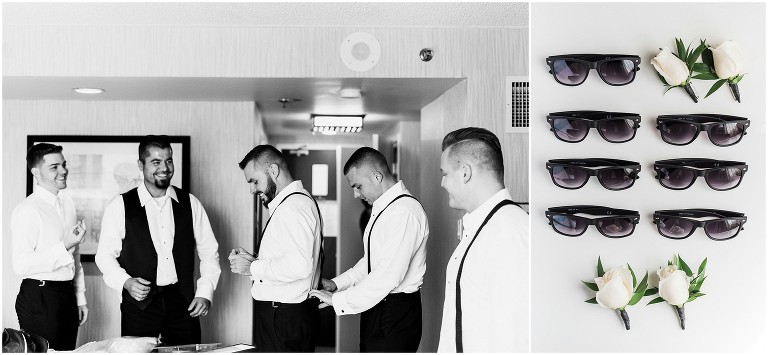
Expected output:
(288, 260)
(46, 238)
(384, 285)
(486, 290)
(147, 249)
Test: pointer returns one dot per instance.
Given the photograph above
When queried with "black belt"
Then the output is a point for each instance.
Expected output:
(275, 304)
(401, 295)
(46, 283)
(161, 289)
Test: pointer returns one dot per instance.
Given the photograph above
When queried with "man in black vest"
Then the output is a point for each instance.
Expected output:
(288, 259)
(147, 249)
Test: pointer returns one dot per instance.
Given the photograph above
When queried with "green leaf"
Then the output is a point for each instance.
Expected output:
(685, 267)
(662, 79)
(715, 86)
(592, 286)
(697, 285)
(738, 78)
(600, 271)
(651, 291)
(640, 291)
(655, 300)
(634, 279)
(706, 76)
(702, 68)
(694, 56)
(702, 267)
(695, 296)
(708, 59)
(680, 49)
(676, 260)
(592, 300)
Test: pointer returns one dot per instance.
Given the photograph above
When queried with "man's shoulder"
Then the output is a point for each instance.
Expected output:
(27, 205)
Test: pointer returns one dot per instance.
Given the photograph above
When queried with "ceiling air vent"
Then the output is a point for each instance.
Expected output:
(516, 113)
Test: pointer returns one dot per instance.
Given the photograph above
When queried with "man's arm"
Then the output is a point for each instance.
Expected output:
(295, 226)
(29, 257)
(353, 276)
(207, 251)
(402, 240)
(111, 245)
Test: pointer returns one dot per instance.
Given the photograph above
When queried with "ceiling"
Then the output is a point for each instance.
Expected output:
(384, 101)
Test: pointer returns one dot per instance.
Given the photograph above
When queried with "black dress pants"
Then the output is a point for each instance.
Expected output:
(166, 316)
(393, 325)
(49, 309)
(285, 327)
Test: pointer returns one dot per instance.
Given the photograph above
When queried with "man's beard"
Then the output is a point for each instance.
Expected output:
(271, 192)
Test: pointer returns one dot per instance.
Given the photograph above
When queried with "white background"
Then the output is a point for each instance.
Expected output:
(731, 317)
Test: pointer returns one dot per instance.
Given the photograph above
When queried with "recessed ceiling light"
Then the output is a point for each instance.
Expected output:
(89, 91)
(337, 123)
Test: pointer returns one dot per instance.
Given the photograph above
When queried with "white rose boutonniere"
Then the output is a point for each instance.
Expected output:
(617, 288)
(678, 285)
(723, 63)
(674, 70)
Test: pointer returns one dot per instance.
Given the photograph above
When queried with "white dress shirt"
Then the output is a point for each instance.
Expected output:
(398, 254)
(494, 282)
(162, 228)
(288, 264)
(38, 231)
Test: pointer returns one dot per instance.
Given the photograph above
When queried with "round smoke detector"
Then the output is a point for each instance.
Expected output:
(360, 51)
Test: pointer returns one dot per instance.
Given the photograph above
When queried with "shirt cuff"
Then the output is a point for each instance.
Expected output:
(204, 291)
(257, 269)
(342, 282)
(340, 304)
(80, 299)
(62, 256)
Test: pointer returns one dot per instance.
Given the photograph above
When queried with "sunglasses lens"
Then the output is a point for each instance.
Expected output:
(616, 179)
(568, 176)
(724, 179)
(727, 133)
(674, 178)
(568, 225)
(677, 132)
(570, 130)
(617, 72)
(676, 228)
(570, 72)
(723, 229)
(617, 131)
(616, 227)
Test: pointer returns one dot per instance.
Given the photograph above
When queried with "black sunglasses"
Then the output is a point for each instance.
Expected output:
(679, 174)
(723, 130)
(680, 224)
(616, 223)
(614, 69)
(573, 126)
(613, 174)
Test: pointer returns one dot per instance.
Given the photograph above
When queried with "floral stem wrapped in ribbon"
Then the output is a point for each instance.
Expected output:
(617, 288)
(678, 285)
(724, 64)
(674, 70)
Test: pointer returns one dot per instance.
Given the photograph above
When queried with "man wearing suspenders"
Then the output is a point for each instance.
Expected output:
(288, 260)
(486, 291)
(384, 285)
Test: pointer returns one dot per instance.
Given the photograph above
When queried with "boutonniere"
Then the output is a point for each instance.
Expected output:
(617, 289)
(723, 63)
(674, 70)
(678, 285)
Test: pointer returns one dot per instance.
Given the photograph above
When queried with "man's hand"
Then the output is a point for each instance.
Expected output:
(328, 285)
(199, 307)
(137, 287)
(240, 261)
(75, 236)
(82, 311)
(326, 297)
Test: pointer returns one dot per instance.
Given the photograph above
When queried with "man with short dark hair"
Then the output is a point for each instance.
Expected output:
(486, 294)
(147, 248)
(288, 260)
(46, 254)
(385, 284)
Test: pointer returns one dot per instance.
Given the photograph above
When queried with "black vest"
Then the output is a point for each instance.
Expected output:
(139, 258)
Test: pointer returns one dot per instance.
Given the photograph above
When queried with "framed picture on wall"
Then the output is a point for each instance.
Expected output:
(102, 167)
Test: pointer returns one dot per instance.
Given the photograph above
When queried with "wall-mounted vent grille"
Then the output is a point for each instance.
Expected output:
(516, 113)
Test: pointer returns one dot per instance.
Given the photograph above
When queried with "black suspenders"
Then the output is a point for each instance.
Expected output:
(370, 231)
(459, 341)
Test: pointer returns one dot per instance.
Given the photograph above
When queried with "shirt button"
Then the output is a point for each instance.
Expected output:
(342, 311)
(261, 281)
